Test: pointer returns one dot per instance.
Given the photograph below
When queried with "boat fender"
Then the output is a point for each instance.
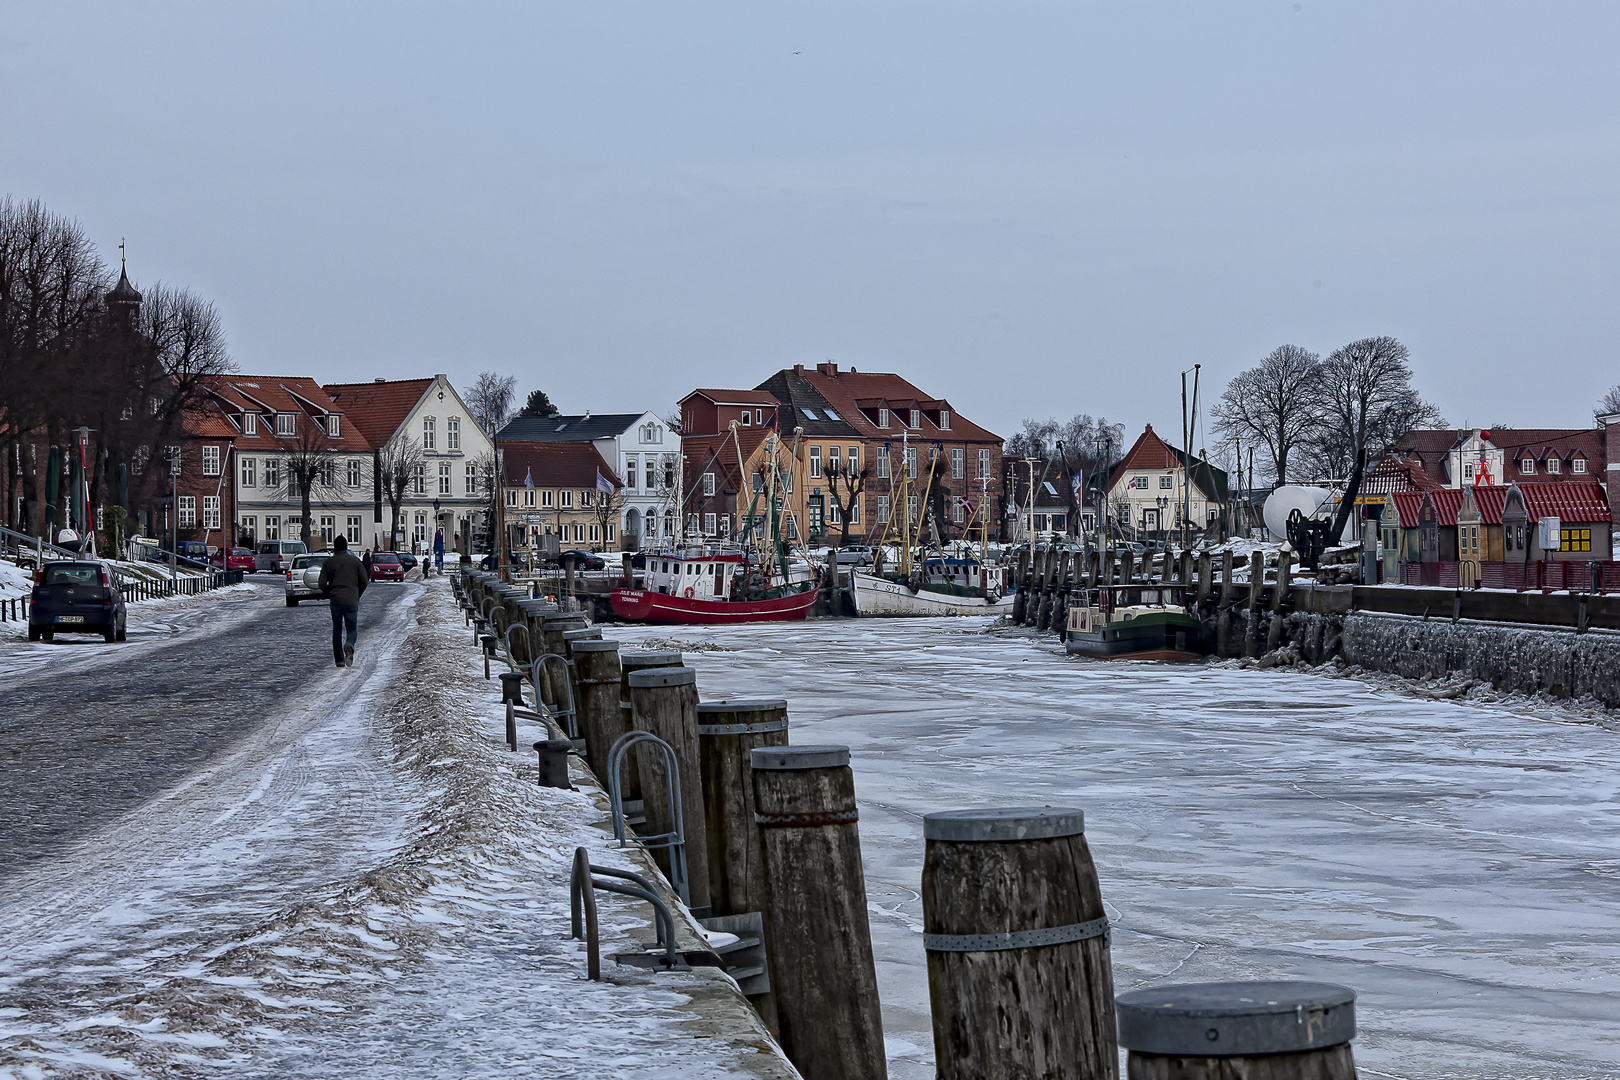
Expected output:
(688, 592)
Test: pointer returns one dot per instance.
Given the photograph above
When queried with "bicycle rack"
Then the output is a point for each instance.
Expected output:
(675, 841)
(572, 725)
(582, 886)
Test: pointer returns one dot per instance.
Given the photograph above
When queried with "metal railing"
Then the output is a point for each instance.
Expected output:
(582, 886)
(675, 840)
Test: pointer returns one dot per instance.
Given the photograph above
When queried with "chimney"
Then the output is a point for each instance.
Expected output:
(827, 368)
(798, 369)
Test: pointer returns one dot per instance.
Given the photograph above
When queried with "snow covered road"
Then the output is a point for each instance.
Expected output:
(1455, 863)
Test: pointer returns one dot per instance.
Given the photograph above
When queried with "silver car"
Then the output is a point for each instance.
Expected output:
(304, 578)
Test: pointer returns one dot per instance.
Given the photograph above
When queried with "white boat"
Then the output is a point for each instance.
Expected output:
(944, 589)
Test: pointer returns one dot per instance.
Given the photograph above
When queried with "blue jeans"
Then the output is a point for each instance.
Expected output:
(343, 616)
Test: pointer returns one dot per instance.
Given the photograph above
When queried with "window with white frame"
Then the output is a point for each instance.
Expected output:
(333, 426)
(815, 463)
(546, 498)
(353, 531)
(596, 533)
(1577, 465)
(328, 473)
(472, 479)
(1166, 483)
(272, 527)
(710, 523)
(429, 436)
(747, 419)
(787, 481)
(250, 423)
(883, 418)
(419, 480)
(958, 464)
(669, 470)
(188, 511)
(944, 419)
(834, 516)
(284, 424)
(528, 496)
(210, 511)
(1554, 465)
(725, 524)
(708, 483)
(916, 418)
(452, 433)
(210, 460)
(832, 461)
(565, 498)
(511, 496)
(444, 478)
(328, 528)
(356, 476)
(609, 536)
(984, 463)
(248, 526)
(249, 471)
(911, 507)
(957, 513)
(883, 466)
(883, 509)
(911, 462)
(854, 460)
(630, 472)
(272, 473)
(1528, 466)
(419, 527)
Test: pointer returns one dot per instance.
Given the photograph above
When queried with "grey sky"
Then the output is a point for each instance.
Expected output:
(1031, 209)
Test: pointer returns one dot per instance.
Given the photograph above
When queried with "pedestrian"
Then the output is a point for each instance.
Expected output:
(366, 562)
(438, 551)
(343, 579)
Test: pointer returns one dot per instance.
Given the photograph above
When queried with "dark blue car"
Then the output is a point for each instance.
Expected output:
(76, 598)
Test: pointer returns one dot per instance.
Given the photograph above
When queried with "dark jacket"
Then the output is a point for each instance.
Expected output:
(343, 579)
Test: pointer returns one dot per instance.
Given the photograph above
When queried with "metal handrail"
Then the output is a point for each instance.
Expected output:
(508, 635)
(536, 666)
(582, 886)
(675, 840)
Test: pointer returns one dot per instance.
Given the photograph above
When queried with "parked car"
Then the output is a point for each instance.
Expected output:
(235, 558)
(76, 597)
(386, 566)
(583, 560)
(407, 560)
(304, 578)
(273, 555)
(856, 555)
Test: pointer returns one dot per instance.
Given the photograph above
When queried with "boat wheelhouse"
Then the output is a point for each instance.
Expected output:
(1134, 622)
(711, 586)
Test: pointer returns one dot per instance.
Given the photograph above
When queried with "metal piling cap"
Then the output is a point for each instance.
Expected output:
(652, 659)
(741, 706)
(799, 757)
(1005, 824)
(664, 676)
(593, 645)
(1233, 1019)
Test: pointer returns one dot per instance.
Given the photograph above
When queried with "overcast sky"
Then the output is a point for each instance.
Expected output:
(1029, 209)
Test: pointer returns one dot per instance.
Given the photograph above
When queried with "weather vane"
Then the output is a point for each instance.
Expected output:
(121, 252)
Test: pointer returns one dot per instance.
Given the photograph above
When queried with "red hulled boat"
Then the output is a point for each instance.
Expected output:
(710, 588)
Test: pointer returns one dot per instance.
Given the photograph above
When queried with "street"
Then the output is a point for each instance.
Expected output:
(1452, 862)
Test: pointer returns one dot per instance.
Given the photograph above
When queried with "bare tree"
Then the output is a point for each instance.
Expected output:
(308, 468)
(851, 476)
(1274, 402)
(1367, 403)
(1610, 403)
(399, 461)
(605, 506)
(490, 401)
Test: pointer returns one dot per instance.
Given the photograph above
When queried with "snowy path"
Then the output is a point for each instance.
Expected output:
(1455, 864)
(367, 884)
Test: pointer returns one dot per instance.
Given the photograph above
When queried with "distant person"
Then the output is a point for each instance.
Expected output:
(343, 579)
(366, 562)
(438, 551)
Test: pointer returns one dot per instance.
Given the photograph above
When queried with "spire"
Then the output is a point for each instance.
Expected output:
(124, 298)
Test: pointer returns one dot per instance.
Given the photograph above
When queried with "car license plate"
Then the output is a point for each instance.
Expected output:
(70, 618)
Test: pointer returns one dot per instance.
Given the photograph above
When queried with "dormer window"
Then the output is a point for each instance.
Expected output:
(883, 418)
(250, 423)
(916, 418)
(759, 417)
(944, 419)
(284, 424)
(1554, 465)
(746, 418)
(332, 427)
(1527, 466)
(1577, 465)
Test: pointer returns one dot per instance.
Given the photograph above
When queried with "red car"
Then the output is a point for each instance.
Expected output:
(234, 559)
(385, 566)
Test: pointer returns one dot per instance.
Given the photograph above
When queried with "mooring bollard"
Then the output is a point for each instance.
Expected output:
(554, 762)
(817, 935)
(512, 687)
(663, 702)
(1282, 1030)
(727, 733)
(1019, 977)
(596, 668)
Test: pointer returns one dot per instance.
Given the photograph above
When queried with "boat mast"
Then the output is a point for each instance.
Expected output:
(905, 504)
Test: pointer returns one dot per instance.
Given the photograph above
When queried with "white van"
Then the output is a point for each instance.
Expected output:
(273, 555)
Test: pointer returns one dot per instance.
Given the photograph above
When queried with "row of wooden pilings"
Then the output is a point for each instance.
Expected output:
(1016, 936)
(1047, 581)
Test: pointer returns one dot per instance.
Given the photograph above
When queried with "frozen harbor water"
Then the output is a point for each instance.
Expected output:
(1457, 864)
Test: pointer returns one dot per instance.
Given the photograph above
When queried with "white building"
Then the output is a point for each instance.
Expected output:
(642, 450)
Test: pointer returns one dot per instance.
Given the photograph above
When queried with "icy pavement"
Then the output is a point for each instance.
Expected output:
(1457, 864)
(369, 885)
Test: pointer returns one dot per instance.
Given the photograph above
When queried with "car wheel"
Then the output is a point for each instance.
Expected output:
(292, 601)
(109, 635)
(47, 635)
(33, 633)
(123, 630)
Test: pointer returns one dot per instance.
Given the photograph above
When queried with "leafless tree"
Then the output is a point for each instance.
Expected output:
(605, 506)
(399, 461)
(490, 401)
(1274, 402)
(850, 476)
(308, 468)
(1367, 403)
(1610, 403)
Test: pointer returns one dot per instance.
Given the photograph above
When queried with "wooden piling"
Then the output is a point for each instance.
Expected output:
(1278, 593)
(663, 701)
(817, 934)
(1019, 975)
(552, 641)
(1021, 587)
(1282, 1030)
(1204, 566)
(601, 721)
(1257, 584)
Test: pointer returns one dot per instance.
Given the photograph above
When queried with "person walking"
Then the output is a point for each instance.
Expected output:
(438, 551)
(343, 579)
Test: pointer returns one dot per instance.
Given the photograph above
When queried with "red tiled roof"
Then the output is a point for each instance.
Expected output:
(208, 422)
(1434, 444)
(1581, 501)
(844, 390)
(378, 408)
(700, 450)
(555, 465)
(1148, 452)
(733, 397)
(236, 394)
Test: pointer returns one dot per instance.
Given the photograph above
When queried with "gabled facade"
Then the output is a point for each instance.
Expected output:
(559, 487)
(710, 411)
(639, 447)
(1146, 489)
(1501, 456)
(455, 451)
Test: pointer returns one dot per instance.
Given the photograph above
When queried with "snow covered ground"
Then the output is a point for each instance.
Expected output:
(370, 886)
(1456, 863)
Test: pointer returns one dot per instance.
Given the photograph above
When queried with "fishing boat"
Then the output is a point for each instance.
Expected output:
(1134, 622)
(940, 586)
(706, 587)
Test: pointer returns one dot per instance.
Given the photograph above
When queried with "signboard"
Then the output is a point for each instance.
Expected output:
(1550, 529)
